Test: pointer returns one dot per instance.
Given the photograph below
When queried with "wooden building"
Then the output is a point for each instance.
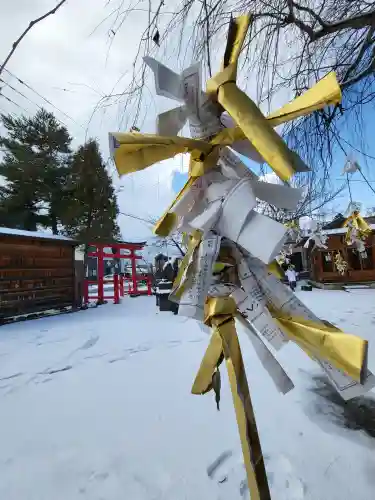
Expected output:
(360, 270)
(36, 272)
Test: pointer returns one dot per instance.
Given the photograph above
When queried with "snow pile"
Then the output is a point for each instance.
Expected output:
(97, 405)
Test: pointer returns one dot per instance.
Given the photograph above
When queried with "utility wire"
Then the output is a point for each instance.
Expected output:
(13, 102)
(357, 180)
(366, 181)
(346, 154)
(20, 93)
(30, 100)
(22, 82)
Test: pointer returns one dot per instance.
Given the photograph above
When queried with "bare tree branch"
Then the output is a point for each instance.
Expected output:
(353, 23)
(291, 45)
(174, 239)
(22, 36)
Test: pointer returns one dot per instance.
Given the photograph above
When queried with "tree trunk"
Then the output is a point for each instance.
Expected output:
(54, 223)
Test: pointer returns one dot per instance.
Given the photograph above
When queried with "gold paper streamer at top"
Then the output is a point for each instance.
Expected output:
(134, 152)
(244, 111)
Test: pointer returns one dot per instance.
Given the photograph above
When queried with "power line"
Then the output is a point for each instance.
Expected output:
(22, 82)
(30, 100)
(367, 182)
(20, 93)
(356, 149)
(357, 180)
(10, 100)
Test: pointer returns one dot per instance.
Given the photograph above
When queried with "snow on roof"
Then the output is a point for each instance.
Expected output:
(33, 234)
(342, 230)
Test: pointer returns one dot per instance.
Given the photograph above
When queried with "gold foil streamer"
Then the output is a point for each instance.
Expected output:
(183, 274)
(245, 112)
(224, 344)
(133, 152)
(356, 222)
(344, 351)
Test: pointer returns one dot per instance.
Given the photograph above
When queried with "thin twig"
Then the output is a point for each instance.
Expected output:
(22, 36)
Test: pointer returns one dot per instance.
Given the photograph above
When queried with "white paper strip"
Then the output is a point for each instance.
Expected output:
(257, 300)
(232, 167)
(262, 237)
(280, 378)
(171, 122)
(167, 82)
(207, 219)
(283, 299)
(346, 386)
(278, 195)
(237, 205)
(193, 299)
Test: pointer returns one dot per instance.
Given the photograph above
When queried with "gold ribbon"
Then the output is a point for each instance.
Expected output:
(181, 282)
(134, 152)
(326, 342)
(275, 268)
(291, 224)
(356, 221)
(256, 128)
(224, 344)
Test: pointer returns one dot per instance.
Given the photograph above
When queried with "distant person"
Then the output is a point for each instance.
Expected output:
(292, 277)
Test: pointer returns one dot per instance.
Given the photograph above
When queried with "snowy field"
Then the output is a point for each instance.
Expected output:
(97, 405)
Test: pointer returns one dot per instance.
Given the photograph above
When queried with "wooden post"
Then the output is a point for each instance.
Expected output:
(86, 291)
(121, 286)
(116, 297)
(99, 247)
(134, 271)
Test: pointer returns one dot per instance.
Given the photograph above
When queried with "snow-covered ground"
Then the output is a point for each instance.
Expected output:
(97, 405)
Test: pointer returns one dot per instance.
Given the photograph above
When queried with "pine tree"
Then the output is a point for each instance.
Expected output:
(90, 206)
(35, 167)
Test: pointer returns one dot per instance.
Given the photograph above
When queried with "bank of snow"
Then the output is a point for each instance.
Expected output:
(97, 405)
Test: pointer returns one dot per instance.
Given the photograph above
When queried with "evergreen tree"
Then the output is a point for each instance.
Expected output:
(35, 167)
(90, 205)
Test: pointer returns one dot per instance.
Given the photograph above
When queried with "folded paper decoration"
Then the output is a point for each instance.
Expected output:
(229, 274)
(357, 232)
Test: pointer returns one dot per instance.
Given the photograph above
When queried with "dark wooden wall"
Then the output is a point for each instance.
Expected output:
(359, 270)
(35, 275)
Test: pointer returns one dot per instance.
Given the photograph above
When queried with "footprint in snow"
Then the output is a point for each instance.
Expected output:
(14, 375)
(89, 343)
(121, 358)
(53, 371)
(283, 482)
(96, 356)
(229, 468)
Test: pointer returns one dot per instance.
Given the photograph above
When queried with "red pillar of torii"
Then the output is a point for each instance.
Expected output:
(115, 253)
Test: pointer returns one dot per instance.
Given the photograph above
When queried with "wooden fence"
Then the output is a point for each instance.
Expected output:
(36, 274)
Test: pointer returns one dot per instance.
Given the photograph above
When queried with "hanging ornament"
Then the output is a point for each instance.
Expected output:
(350, 166)
(340, 264)
(354, 206)
(357, 233)
(156, 38)
(316, 238)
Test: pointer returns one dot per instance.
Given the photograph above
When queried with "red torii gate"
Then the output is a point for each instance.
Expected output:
(115, 253)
